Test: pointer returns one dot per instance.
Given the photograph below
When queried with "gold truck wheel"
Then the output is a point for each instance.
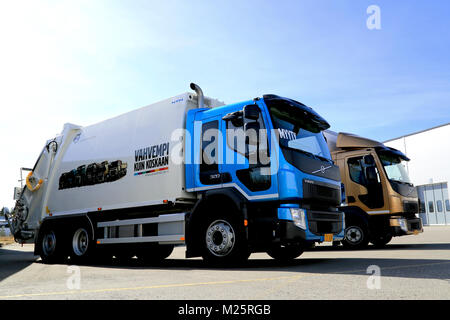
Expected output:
(356, 237)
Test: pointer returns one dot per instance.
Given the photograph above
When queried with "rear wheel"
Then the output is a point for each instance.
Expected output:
(51, 246)
(82, 245)
(356, 236)
(285, 253)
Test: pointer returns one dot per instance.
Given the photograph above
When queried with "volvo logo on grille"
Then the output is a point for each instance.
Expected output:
(322, 169)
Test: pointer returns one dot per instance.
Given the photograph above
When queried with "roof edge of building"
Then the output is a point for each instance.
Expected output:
(417, 132)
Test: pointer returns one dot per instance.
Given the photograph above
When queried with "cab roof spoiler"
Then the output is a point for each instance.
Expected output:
(314, 118)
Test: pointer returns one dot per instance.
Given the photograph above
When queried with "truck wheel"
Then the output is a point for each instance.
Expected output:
(82, 245)
(51, 247)
(285, 253)
(155, 253)
(356, 237)
(381, 240)
(224, 241)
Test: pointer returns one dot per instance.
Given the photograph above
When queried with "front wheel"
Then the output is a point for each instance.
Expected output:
(285, 253)
(356, 237)
(224, 241)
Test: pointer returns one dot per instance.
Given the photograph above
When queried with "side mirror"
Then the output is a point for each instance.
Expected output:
(251, 130)
(235, 118)
(369, 160)
(251, 112)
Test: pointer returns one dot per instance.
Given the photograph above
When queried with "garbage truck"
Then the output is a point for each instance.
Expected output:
(223, 180)
(380, 199)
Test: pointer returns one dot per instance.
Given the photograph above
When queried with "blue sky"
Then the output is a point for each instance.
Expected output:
(85, 61)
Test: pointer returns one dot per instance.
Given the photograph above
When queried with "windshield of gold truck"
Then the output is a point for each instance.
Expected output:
(394, 167)
(298, 127)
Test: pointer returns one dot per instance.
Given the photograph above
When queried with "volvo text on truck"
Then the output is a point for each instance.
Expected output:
(224, 180)
(381, 201)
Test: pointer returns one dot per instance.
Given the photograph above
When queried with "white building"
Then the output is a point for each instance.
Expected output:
(429, 170)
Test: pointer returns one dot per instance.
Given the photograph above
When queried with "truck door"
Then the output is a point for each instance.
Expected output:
(364, 184)
(209, 152)
(247, 164)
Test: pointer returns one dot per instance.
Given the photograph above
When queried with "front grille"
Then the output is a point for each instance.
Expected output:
(325, 222)
(414, 224)
(316, 191)
(410, 207)
(324, 216)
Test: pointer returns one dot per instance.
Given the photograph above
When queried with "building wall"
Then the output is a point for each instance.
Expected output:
(429, 152)
(429, 170)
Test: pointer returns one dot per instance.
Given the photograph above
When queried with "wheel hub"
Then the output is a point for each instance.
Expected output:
(80, 242)
(49, 243)
(354, 234)
(220, 238)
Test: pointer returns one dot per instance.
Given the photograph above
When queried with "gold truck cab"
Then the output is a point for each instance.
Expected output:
(381, 202)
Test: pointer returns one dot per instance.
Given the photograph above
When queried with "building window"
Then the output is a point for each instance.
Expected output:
(447, 205)
(420, 194)
(430, 206)
(439, 205)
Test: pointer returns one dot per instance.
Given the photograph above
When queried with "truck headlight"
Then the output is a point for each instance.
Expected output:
(299, 217)
(403, 224)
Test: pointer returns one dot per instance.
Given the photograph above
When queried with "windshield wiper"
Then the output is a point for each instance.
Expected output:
(310, 154)
(403, 182)
(324, 159)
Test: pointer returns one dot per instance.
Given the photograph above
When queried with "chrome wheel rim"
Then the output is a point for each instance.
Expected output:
(80, 242)
(220, 238)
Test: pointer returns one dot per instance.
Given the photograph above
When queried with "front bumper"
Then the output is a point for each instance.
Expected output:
(320, 226)
(405, 226)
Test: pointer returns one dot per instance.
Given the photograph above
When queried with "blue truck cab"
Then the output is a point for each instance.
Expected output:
(265, 179)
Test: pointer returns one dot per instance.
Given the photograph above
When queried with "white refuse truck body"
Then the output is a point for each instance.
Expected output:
(144, 140)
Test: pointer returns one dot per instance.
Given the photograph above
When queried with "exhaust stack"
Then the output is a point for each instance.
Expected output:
(200, 97)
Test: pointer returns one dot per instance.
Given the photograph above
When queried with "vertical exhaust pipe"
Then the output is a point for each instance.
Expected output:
(200, 97)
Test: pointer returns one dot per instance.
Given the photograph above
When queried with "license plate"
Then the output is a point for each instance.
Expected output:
(328, 237)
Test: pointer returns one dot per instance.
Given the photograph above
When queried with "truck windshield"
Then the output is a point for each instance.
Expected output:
(293, 135)
(394, 167)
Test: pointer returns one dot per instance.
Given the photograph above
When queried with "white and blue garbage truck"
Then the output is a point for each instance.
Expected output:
(224, 180)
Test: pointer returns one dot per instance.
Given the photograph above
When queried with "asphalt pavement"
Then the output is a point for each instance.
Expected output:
(410, 267)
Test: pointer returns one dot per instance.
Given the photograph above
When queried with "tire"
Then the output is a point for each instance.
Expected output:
(82, 245)
(223, 240)
(381, 240)
(155, 253)
(51, 246)
(285, 253)
(356, 236)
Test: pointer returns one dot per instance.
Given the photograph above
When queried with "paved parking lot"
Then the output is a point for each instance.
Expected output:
(410, 267)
